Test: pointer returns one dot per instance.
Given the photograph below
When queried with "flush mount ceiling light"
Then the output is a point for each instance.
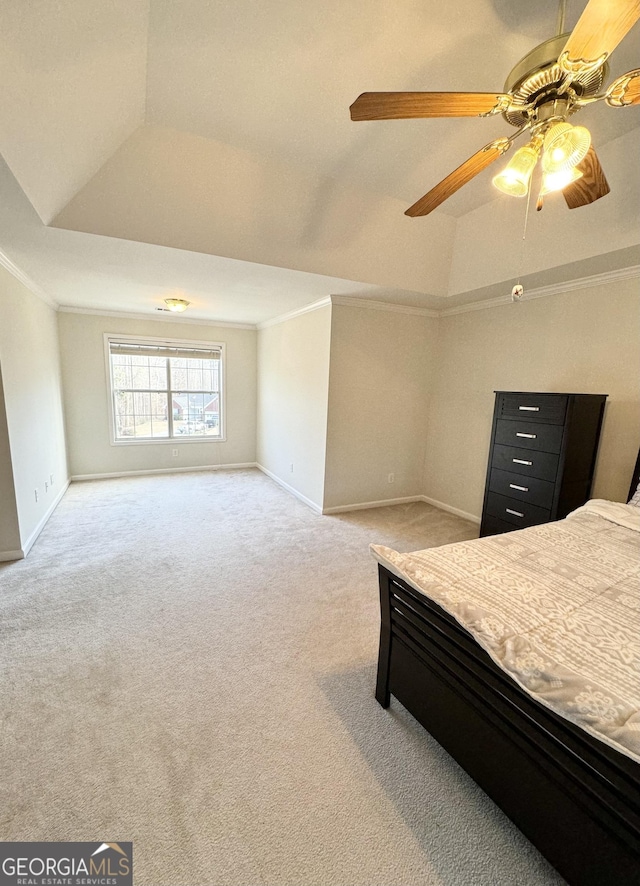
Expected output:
(553, 81)
(177, 305)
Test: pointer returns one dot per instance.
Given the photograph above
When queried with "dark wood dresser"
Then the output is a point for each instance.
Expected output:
(541, 459)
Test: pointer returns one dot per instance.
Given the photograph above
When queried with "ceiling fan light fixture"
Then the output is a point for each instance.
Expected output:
(514, 178)
(177, 305)
(564, 147)
(552, 81)
(557, 181)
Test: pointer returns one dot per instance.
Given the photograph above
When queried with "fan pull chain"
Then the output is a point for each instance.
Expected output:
(518, 290)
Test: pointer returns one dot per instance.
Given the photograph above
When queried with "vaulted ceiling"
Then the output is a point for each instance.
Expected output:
(205, 147)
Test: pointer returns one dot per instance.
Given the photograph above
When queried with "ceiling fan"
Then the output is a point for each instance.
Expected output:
(552, 82)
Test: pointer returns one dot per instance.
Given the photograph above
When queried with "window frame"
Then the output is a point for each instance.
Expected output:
(183, 344)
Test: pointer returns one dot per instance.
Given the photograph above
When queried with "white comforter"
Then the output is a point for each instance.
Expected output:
(556, 606)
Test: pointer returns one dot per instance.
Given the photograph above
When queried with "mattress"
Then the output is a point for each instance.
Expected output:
(556, 606)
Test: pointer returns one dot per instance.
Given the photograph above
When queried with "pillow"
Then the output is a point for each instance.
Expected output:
(635, 498)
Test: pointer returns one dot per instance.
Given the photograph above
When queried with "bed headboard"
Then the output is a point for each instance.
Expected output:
(635, 479)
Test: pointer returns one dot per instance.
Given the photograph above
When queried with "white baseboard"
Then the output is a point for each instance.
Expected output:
(357, 506)
(361, 506)
(5, 556)
(303, 498)
(114, 474)
(444, 507)
(28, 544)
(365, 505)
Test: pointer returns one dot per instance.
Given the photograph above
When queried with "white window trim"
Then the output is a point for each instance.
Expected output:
(171, 343)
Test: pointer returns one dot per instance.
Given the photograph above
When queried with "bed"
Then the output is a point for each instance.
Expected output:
(549, 752)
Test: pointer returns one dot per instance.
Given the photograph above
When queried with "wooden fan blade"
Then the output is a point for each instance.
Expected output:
(405, 105)
(591, 186)
(625, 90)
(600, 28)
(458, 178)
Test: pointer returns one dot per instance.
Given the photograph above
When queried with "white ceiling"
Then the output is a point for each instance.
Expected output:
(205, 147)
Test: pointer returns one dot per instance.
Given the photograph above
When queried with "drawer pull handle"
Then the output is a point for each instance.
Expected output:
(529, 408)
(528, 436)
(515, 513)
(521, 461)
(521, 488)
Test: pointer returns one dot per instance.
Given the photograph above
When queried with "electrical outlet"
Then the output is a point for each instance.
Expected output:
(391, 478)
(174, 453)
(35, 492)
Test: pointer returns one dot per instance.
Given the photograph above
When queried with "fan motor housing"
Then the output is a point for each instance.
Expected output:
(538, 76)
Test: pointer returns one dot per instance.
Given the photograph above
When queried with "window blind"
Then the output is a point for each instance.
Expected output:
(145, 350)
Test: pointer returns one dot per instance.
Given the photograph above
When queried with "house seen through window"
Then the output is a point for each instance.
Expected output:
(165, 390)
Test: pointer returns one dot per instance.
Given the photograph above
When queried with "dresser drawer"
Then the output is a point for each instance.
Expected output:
(533, 407)
(530, 489)
(529, 435)
(519, 513)
(494, 526)
(526, 462)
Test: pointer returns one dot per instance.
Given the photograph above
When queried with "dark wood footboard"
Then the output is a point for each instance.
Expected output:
(576, 799)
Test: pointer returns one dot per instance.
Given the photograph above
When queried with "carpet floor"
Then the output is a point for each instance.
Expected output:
(188, 661)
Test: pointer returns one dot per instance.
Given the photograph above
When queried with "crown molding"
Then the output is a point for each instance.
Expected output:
(33, 287)
(160, 316)
(605, 278)
(478, 305)
(554, 289)
(290, 315)
(372, 305)
(350, 301)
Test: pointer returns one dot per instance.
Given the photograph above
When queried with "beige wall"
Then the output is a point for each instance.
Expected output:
(29, 360)
(293, 374)
(10, 548)
(585, 341)
(382, 365)
(87, 401)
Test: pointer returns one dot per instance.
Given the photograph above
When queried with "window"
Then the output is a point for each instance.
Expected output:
(165, 390)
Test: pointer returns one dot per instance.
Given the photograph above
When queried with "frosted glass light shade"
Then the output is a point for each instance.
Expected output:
(564, 147)
(514, 178)
(176, 304)
(556, 181)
